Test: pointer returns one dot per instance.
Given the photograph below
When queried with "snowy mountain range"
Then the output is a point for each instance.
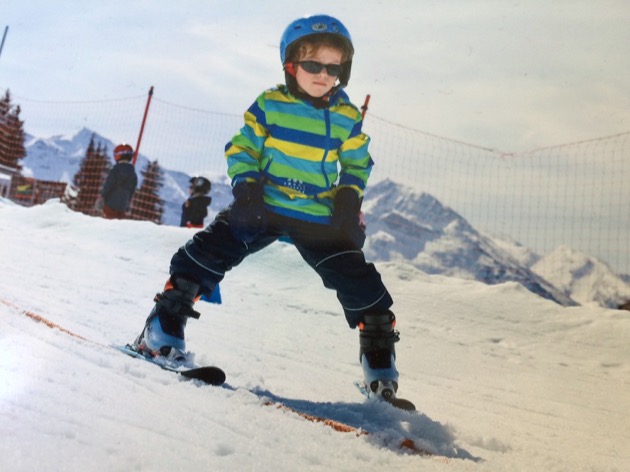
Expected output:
(403, 224)
(437, 240)
(585, 278)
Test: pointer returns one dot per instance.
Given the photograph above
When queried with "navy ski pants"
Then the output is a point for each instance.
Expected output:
(211, 253)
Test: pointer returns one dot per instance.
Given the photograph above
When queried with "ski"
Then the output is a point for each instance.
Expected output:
(206, 374)
(405, 445)
(209, 375)
(392, 399)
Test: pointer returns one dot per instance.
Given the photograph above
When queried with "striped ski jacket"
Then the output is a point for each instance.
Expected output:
(300, 153)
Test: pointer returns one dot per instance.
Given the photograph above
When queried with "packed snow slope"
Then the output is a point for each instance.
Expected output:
(503, 379)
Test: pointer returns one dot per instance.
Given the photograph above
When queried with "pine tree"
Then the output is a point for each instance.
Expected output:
(90, 177)
(147, 204)
(11, 133)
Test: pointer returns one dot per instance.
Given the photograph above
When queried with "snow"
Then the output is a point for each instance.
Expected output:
(504, 380)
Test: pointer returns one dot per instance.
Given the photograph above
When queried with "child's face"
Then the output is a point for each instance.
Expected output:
(319, 84)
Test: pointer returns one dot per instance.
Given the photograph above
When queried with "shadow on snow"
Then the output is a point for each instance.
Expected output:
(385, 425)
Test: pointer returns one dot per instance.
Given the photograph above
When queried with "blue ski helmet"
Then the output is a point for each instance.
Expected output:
(312, 25)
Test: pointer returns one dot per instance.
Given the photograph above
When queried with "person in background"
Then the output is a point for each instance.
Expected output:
(195, 208)
(194, 212)
(299, 167)
(120, 185)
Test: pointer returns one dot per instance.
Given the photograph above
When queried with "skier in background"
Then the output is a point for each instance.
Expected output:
(299, 167)
(119, 186)
(195, 208)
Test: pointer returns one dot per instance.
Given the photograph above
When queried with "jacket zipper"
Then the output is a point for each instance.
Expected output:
(327, 149)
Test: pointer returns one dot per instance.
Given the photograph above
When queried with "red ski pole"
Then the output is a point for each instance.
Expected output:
(144, 120)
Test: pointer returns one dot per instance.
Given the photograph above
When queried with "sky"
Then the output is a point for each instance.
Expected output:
(508, 75)
(503, 380)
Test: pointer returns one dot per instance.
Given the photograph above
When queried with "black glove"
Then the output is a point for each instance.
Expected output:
(345, 216)
(247, 217)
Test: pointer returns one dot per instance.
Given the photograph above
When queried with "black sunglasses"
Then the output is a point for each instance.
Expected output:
(313, 67)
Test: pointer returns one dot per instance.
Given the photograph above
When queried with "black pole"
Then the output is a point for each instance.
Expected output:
(4, 36)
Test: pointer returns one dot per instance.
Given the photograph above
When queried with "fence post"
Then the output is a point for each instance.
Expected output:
(144, 120)
(364, 108)
(4, 36)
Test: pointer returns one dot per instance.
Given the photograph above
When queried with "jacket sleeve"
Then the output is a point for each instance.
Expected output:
(244, 151)
(110, 182)
(135, 183)
(185, 218)
(355, 160)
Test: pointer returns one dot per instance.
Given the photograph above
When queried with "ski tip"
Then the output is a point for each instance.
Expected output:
(208, 375)
(402, 404)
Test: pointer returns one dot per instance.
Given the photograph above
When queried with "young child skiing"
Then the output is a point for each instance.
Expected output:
(195, 208)
(299, 167)
(120, 184)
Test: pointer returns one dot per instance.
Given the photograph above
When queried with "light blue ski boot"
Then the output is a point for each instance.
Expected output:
(163, 333)
(377, 338)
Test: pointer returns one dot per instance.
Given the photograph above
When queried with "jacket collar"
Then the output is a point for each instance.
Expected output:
(336, 95)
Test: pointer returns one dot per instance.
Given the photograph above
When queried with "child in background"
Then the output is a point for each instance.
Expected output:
(194, 212)
(195, 208)
(299, 167)
(120, 184)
